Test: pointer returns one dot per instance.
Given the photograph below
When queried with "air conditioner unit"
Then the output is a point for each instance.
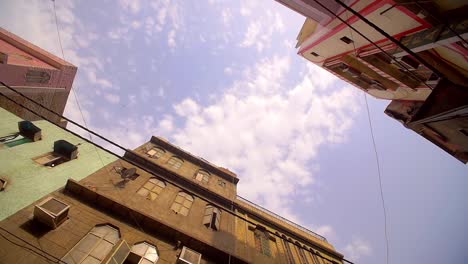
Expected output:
(189, 256)
(28, 130)
(65, 149)
(51, 212)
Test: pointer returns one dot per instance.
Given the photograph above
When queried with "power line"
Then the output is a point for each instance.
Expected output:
(391, 38)
(33, 249)
(379, 173)
(134, 163)
(374, 44)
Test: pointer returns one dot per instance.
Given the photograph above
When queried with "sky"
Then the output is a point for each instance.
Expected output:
(222, 80)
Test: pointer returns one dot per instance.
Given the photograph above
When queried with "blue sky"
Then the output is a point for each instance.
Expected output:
(222, 79)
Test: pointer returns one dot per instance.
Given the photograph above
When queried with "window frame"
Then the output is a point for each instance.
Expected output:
(141, 258)
(37, 76)
(159, 152)
(148, 196)
(212, 217)
(175, 162)
(204, 176)
(177, 206)
(262, 242)
(93, 232)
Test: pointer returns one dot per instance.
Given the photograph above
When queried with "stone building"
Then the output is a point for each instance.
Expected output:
(160, 204)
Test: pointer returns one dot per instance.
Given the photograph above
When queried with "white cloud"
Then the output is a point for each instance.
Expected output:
(326, 231)
(227, 16)
(228, 70)
(357, 249)
(260, 31)
(187, 107)
(112, 98)
(267, 132)
(133, 5)
(251, 36)
(171, 39)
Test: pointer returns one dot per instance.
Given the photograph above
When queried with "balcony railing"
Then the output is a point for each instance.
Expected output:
(282, 219)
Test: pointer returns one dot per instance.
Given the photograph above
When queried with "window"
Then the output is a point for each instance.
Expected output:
(346, 40)
(35, 76)
(188, 255)
(156, 152)
(182, 203)
(50, 159)
(262, 243)
(302, 255)
(212, 217)
(3, 58)
(152, 188)
(221, 183)
(314, 54)
(202, 176)
(142, 253)
(289, 254)
(175, 162)
(93, 247)
(315, 258)
(63, 151)
(3, 184)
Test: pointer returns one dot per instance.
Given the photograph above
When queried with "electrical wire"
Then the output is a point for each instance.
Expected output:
(441, 22)
(130, 161)
(391, 38)
(379, 173)
(33, 249)
(374, 44)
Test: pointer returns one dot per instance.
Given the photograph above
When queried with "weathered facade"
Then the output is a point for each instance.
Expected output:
(163, 201)
(23, 162)
(435, 31)
(36, 73)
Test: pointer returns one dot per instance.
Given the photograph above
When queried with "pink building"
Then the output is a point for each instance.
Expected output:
(38, 74)
(427, 87)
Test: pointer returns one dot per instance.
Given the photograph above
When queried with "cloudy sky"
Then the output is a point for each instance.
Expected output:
(222, 79)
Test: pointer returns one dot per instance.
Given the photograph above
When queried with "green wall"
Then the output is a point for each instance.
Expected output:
(29, 181)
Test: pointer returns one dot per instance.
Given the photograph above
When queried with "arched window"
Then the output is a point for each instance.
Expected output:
(156, 152)
(152, 188)
(36, 76)
(95, 246)
(301, 253)
(288, 250)
(315, 258)
(202, 176)
(182, 203)
(212, 217)
(142, 253)
(262, 243)
(175, 162)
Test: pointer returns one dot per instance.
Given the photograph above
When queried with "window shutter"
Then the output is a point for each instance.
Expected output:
(216, 223)
(207, 220)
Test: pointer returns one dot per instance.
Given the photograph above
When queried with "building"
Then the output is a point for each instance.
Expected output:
(31, 166)
(36, 73)
(435, 31)
(160, 204)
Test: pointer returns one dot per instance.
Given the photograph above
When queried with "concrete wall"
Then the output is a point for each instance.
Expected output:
(27, 180)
